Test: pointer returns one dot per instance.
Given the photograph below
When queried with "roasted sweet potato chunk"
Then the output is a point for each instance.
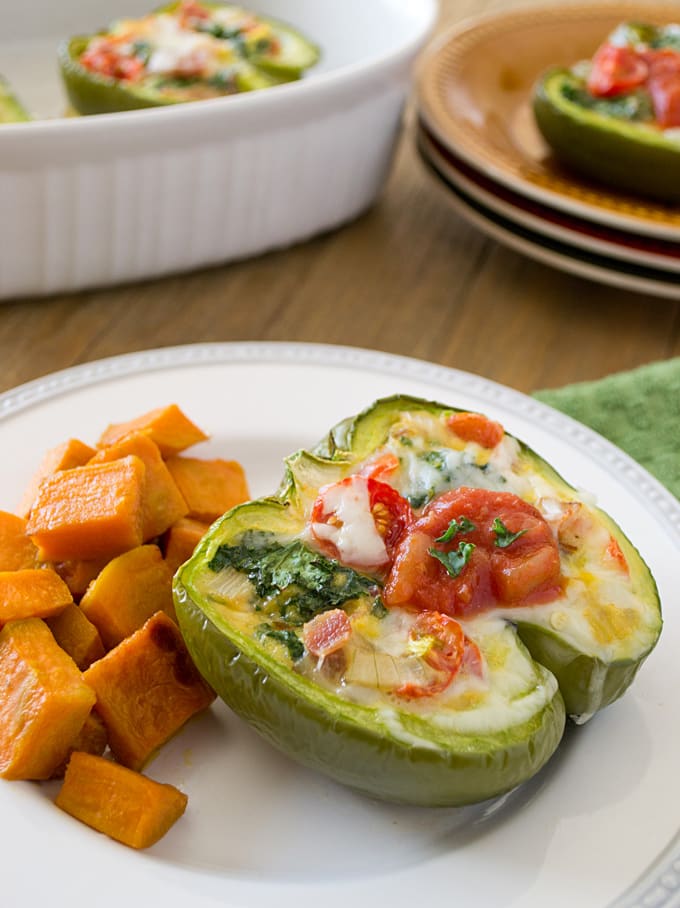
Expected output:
(168, 426)
(66, 456)
(89, 512)
(91, 739)
(32, 593)
(162, 502)
(123, 804)
(17, 551)
(147, 688)
(181, 540)
(128, 591)
(44, 701)
(77, 636)
(209, 487)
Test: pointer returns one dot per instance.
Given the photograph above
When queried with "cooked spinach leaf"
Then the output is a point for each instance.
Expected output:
(289, 638)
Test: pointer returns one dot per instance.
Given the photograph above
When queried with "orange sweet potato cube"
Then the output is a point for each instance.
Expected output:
(209, 487)
(167, 426)
(119, 802)
(147, 688)
(32, 593)
(77, 636)
(162, 501)
(78, 575)
(128, 591)
(66, 456)
(91, 739)
(44, 701)
(16, 549)
(89, 512)
(181, 540)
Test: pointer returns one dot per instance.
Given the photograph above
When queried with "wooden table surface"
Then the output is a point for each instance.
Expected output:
(409, 277)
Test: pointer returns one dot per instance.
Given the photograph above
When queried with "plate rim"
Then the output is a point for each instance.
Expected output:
(623, 213)
(511, 205)
(552, 252)
(662, 877)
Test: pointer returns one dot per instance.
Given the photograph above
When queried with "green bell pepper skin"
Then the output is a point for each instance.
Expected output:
(624, 154)
(350, 743)
(387, 748)
(11, 109)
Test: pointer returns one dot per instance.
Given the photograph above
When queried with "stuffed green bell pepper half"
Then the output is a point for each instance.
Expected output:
(186, 51)
(418, 607)
(616, 118)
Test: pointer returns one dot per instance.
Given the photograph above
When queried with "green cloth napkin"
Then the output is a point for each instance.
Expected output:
(639, 411)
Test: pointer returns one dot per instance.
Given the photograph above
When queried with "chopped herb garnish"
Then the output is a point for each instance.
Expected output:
(436, 459)
(290, 640)
(142, 50)
(454, 561)
(504, 537)
(406, 441)
(291, 578)
(420, 499)
(461, 525)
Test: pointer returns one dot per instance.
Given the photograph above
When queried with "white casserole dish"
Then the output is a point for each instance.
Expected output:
(93, 201)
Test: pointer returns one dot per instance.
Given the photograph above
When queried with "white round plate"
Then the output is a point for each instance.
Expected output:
(597, 827)
(541, 247)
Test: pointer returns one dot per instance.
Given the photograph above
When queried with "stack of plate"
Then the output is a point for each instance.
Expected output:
(477, 136)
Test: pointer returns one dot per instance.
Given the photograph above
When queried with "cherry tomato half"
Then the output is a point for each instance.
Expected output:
(616, 70)
(360, 522)
(476, 427)
(503, 553)
(450, 651)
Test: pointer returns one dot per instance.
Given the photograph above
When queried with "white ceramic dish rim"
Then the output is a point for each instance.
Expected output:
(190, 116)
(533, 249)
(660, 883)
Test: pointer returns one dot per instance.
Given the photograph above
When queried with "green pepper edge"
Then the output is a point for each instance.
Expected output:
(629, 156)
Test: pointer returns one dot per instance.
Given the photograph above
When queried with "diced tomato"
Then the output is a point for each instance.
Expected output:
(664, 88)
(191, 11)
(381, 467)
(616, 70)
(526, 570)
(327, 633)
(391, 514)
(104, 58)
(476, 427)
(615, 554)
(450, 651)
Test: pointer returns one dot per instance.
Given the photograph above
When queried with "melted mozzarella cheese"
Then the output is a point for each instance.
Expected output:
(354, 534)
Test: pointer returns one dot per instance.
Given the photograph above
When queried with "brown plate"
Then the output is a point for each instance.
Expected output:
(474, 93)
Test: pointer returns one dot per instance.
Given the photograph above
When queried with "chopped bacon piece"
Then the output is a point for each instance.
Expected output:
(327, 633)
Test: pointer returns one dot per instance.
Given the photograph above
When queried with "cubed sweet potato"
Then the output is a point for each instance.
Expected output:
(209, 487)
(168, 426)
(65, 456)
(78, 575)
(91, 739)
(17, 551)
(44, 701)
(147, 688)
(89, 512)
(123, 804)
(181, 540)
(129, 590)
(32, 593)
(163, 504)
(77, 636)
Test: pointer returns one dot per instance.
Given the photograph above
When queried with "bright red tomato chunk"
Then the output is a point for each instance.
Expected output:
(476, 427)
(450, 651)
(616, 70)
(503, 553)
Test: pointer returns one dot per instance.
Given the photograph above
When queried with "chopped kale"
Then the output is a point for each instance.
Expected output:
(295, 580)
(379, 609)
(142, 50)
(289, 638)
(420, 499)
(635, 106)
(436, 459)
